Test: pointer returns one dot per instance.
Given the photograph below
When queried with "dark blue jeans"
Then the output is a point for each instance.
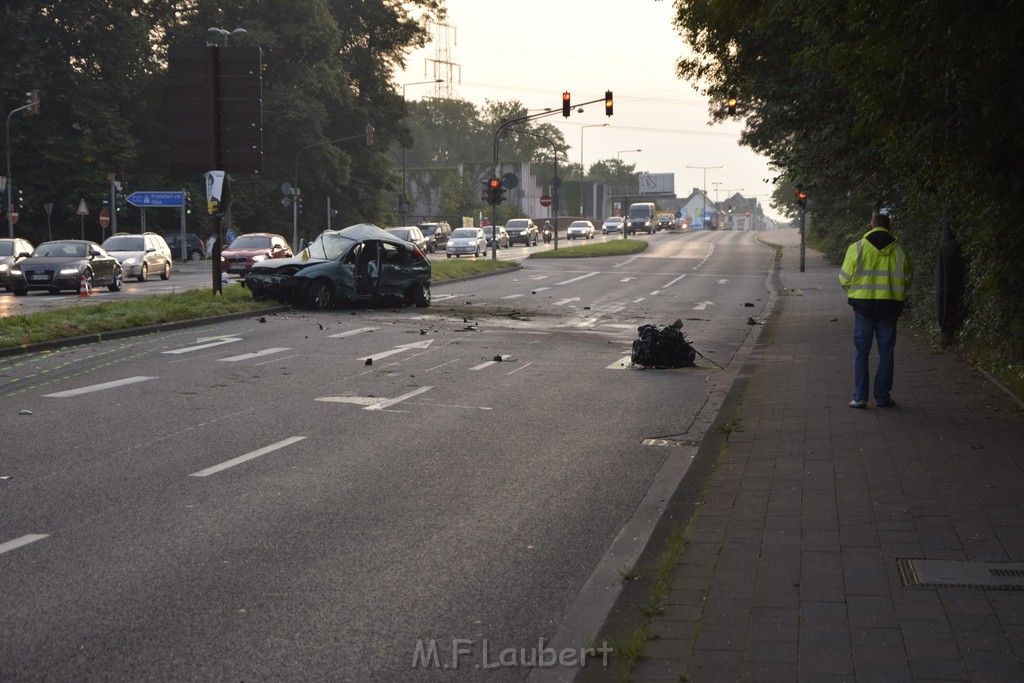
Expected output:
(865, 330)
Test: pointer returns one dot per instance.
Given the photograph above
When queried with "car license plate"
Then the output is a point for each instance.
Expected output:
(236, 266)
(37, 277)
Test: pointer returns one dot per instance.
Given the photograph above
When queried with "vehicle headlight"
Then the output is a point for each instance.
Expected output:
(16, 272)
(4, 267)
(69, 271)
(259, 257)
(130, 261)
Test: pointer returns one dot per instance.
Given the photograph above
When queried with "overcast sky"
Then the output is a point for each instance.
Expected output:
(533, 50)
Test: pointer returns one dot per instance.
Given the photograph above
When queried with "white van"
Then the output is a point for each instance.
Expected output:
(642, 216)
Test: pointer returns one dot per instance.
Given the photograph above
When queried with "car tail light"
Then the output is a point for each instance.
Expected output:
(417, 252)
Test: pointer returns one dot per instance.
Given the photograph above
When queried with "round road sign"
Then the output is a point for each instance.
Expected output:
(104, 218)
(14, 217)
(545, 200)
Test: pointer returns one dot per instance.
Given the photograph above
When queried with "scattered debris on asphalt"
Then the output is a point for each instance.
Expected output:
(369, 361)
(24, 412)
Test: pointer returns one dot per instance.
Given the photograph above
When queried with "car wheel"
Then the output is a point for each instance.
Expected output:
(144, 273)
(166, 274)
(448, 255)
(195, 255)
(20, 292)
(421, 295)
(116, 285)
(320, 294)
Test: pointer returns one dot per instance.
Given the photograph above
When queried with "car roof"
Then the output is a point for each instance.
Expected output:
(367, 231)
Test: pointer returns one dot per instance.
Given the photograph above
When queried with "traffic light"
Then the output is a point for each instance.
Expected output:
(801, 197)
(732, 102)
(188, 203)
(485, 193)
(118, 197)
(608, 102)
(369, 135)
(496, 193)
(566, 103)
(32, 100)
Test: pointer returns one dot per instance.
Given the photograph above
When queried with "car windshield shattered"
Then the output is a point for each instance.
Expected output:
(329, 245)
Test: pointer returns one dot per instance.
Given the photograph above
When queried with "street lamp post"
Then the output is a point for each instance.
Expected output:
(403, 203)
(32, 106)
(704, 191)
(582, 170)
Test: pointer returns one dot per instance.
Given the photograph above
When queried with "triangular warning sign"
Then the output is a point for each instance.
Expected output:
(83, 210)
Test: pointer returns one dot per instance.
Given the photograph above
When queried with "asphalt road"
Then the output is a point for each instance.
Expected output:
(252, 500)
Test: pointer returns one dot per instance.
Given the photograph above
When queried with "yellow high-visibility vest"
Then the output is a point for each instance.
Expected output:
(872, 273)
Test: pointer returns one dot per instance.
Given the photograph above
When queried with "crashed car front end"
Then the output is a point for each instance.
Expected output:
(278, 281)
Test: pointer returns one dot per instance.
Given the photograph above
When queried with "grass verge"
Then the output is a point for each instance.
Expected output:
(192, 304)
(612, 248)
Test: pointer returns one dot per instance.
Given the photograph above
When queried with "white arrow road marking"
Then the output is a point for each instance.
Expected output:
(354, 400)
(626, 262)
(566, 301)
(577, 279)
(399, 349)
(20, 541)
(702, 305)
(488, 363)
(627, 279)
(352, 333)
(722, 282)
(98, 387)
(398, 399)
(255, 354)
(666, 286)
(221, 340)
(248, 456)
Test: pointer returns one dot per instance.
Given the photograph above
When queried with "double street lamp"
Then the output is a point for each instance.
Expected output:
(403, 202)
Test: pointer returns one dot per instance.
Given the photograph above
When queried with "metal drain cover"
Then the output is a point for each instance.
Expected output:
(1006, 576)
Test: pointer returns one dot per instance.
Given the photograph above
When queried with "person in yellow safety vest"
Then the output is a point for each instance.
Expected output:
(876, 276)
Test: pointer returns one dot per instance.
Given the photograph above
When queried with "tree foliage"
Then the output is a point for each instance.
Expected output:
(101, 70)
(881, 103)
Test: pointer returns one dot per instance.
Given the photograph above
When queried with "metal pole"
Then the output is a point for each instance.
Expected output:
(184, 240)
(803, 220)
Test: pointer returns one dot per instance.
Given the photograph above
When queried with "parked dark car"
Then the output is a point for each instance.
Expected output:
(522, 230)
(195, 249)
(437, 234)
(412, 235)
(66, 264)
(361, 263)
(12, 251)
(502, 237)
(255, 247)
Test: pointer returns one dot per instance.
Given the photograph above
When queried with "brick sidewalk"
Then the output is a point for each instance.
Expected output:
(790, 568)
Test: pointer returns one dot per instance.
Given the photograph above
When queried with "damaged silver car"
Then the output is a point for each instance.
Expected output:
(359, 264)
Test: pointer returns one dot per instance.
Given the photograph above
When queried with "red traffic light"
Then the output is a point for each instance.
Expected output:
(566, 103)
(608, 102)
(494, 183)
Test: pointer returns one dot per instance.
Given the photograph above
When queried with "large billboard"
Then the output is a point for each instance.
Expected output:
(657, 183)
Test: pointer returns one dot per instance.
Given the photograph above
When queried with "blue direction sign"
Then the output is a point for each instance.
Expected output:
(156, 199)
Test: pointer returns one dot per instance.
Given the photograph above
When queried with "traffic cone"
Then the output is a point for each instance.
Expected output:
(83, 288)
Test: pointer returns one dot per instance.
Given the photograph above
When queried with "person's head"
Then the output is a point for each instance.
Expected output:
(880, 220)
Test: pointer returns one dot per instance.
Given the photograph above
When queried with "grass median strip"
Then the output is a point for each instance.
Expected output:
(611, 248)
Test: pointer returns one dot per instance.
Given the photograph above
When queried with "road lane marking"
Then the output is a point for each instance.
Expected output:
(98, 387)
(441, 297)
(398, 399)
(577, 279)
(513, 296)
(655, 292)
(248, 456)
(621, 364)
(666, 286)
(522, 367)
(566, 301)
(254, 354)
(220, 341)
(489, 363)
(627, 279)
(442, 365)
(636, 301)
(702, 305)
(20, 541)
(354, 400)
(352, 333)
(278, 360)
(539, 277)
(398, 349)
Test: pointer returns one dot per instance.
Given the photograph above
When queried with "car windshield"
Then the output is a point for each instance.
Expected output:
(250, 242)
(516, 224)
(428, 230)
(465, 233)
(6, 248)
(124, 243)
(579, 224)
(613, 220)
(60, 249)
(329, 245)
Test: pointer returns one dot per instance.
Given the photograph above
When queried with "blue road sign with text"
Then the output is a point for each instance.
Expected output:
(156, 199)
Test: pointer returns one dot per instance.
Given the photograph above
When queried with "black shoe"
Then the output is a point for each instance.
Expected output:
(886, 404)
